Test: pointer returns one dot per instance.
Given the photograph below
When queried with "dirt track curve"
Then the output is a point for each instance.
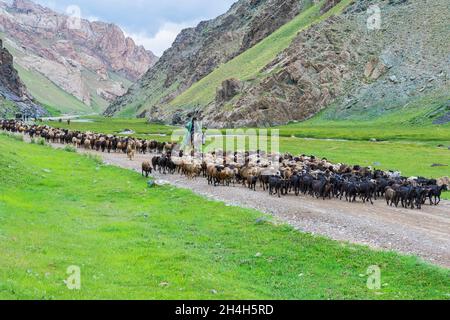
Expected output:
(424, 233)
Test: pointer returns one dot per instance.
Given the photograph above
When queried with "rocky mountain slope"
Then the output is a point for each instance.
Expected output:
(336, 59)
(91, 61)
(14, 97)
(353, 70)
(198, 51)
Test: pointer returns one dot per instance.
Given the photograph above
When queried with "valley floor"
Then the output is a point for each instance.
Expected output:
(414, 150)
(60, 209)
(424, 233)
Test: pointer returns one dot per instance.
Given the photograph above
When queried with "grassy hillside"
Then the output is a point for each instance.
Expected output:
(48, 94)
(413, 122)
(56, 100)
(141, 100)
(7, 107)
(248, 65)
(59, 209)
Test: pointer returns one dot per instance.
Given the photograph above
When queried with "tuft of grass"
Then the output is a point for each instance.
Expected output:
(70, 148)
(95, 158)
(41, 142)
(132, 242)
(15, 136)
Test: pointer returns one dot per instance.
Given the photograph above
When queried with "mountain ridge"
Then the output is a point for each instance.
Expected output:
(92, 61)
(14, 96)
(198, 51)
(334, 62)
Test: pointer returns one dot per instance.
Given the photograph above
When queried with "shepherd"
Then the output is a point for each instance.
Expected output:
(191, 129)
(193, 134)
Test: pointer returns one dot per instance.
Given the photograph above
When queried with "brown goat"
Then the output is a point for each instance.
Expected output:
(146, 168)
(391, 197)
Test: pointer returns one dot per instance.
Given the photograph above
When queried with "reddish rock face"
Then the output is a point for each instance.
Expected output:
(54, 45)
(97, 39)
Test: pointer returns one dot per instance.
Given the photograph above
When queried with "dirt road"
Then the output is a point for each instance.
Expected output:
(424, 233)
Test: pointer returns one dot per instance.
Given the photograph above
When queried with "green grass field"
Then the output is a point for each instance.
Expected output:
(248, 65)
(101, 124)
(59, 209)
(358, 131)
(380, 129)
(409, 148)
(412, 122)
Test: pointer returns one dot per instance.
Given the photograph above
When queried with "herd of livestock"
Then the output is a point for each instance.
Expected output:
(287, 174)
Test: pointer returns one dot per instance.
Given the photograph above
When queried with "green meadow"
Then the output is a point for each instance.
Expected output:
(61, 209)
(413, 149)
(99, 124)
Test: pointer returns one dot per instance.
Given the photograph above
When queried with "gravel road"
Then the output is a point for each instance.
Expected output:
(424, 233)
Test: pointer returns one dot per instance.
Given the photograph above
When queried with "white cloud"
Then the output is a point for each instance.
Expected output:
(92, 18)
(162, 40)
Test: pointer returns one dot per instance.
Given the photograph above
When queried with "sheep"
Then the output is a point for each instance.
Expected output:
(413, 181)
(155, 162)
(275, 185)
(318, 188)
(131, 152)
(190, 169)
(443, 181)
(163, 163)
(391, 197)
(146, 168)
(226, 176)
(406, 196)
(75, 142)
(367, 190)
(251, 182)
(435, 192)
(306, 174)
(87, 144)
(211, 172)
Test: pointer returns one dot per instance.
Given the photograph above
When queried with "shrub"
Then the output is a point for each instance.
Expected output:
(97, 159)
(70, 148)
(15, 136)
(41, 142)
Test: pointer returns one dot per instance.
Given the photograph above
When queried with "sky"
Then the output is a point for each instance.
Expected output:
(151, 23)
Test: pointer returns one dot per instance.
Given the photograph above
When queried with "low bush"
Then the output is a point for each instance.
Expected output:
(70, 148)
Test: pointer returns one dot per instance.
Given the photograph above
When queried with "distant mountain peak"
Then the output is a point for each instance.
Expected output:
(78, 58)
(197, 51)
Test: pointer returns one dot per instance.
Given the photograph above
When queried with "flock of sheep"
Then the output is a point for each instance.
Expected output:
(280, 175)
